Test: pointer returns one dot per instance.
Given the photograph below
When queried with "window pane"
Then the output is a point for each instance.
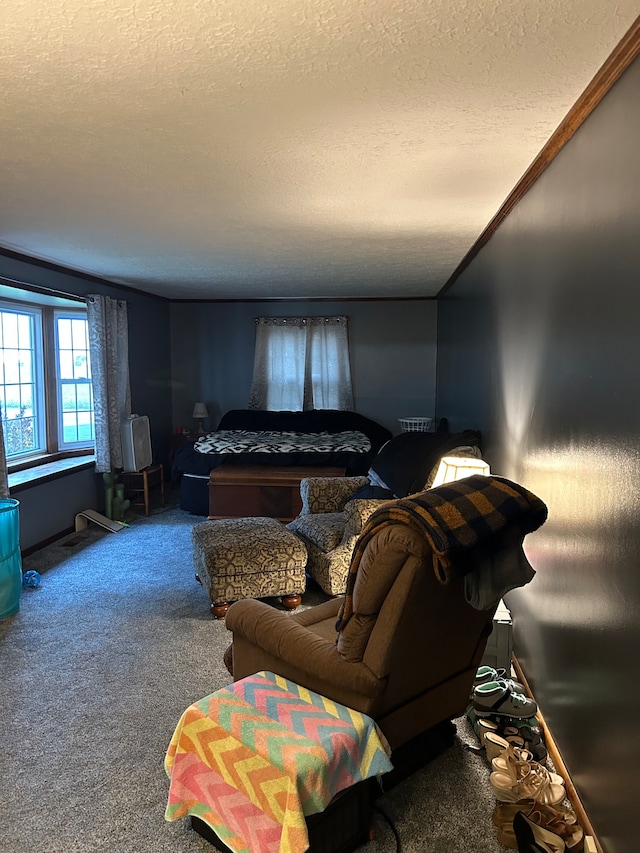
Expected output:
(25, 365)
(26, 401)
(77, 426)
(69, 427)
(85, 426)
(80, 366)
(79, 334)
(64, 333)
(11, 402)
(11, 366)
(20, 389)
(9, 330)
(84, 397)
(66, 364)
(75, 397)
(24, 331)
(68, 395)
(19, 436)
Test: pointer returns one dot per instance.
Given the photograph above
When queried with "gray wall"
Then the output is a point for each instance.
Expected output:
(48, 508)
(539, 343)
(392, 345)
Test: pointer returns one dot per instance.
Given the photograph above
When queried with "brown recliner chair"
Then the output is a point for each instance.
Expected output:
(408, 654)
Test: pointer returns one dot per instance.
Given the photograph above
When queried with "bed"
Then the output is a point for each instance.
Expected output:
(317, 439)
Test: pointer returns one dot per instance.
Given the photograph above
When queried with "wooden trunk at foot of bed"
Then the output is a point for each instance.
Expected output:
(242, 491)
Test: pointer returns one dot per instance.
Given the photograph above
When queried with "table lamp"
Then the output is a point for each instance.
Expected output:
(200, 412)
(457, 468)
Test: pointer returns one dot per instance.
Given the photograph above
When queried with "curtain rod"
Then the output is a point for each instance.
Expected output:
(296, 320)
(36, 288)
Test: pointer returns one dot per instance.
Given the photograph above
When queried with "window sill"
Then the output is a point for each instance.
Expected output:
(19, 480)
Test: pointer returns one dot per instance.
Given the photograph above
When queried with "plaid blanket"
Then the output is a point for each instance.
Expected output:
(463, 522)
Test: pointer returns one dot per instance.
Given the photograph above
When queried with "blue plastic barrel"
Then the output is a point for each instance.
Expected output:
(10, 558)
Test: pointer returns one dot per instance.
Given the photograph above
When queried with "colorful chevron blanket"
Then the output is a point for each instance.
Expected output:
(463, 522)
(252, 759)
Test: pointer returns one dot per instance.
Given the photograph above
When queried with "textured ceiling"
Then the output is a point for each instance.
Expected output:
(279, 148)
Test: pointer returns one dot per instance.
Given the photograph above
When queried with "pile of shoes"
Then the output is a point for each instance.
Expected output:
(531, 814)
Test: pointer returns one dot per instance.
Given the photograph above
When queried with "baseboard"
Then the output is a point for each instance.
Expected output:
(591, 840)
(45, 542)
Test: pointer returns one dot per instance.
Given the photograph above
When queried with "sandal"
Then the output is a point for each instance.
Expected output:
(530, 733)
(480, 725)
(510, 754)
(558, 819)
(510, 762)
(493, 745)
(532, 838)
(527, 780)
(528, 737)
(485, 725)
(502, 817)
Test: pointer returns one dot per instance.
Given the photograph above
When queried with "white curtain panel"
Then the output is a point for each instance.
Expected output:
(109, 347)
(301, 363)
(329, 364)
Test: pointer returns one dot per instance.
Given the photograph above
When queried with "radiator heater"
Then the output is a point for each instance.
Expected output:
(136, 443)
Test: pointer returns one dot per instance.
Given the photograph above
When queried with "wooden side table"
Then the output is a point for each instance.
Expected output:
(138, 485)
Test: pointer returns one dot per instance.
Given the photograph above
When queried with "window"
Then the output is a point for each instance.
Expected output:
(301, 363)
(73, 381)
(46, 394)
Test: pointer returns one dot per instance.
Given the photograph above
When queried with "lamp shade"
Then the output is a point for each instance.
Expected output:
(200, 411)
(458, 467)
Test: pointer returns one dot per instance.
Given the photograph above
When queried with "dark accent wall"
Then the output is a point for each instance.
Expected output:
(539, 346)
(48, 508)
(392, 345)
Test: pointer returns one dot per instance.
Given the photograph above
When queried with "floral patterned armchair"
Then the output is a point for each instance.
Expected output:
(333, 515)
(329, 523)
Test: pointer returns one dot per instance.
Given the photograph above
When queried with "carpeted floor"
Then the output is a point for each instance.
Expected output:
(96, 669)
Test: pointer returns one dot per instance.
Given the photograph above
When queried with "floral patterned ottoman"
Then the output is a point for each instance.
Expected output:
(248, 558)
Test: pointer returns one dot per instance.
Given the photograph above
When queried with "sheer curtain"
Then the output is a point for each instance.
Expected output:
(109, 348)
(301, 363)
